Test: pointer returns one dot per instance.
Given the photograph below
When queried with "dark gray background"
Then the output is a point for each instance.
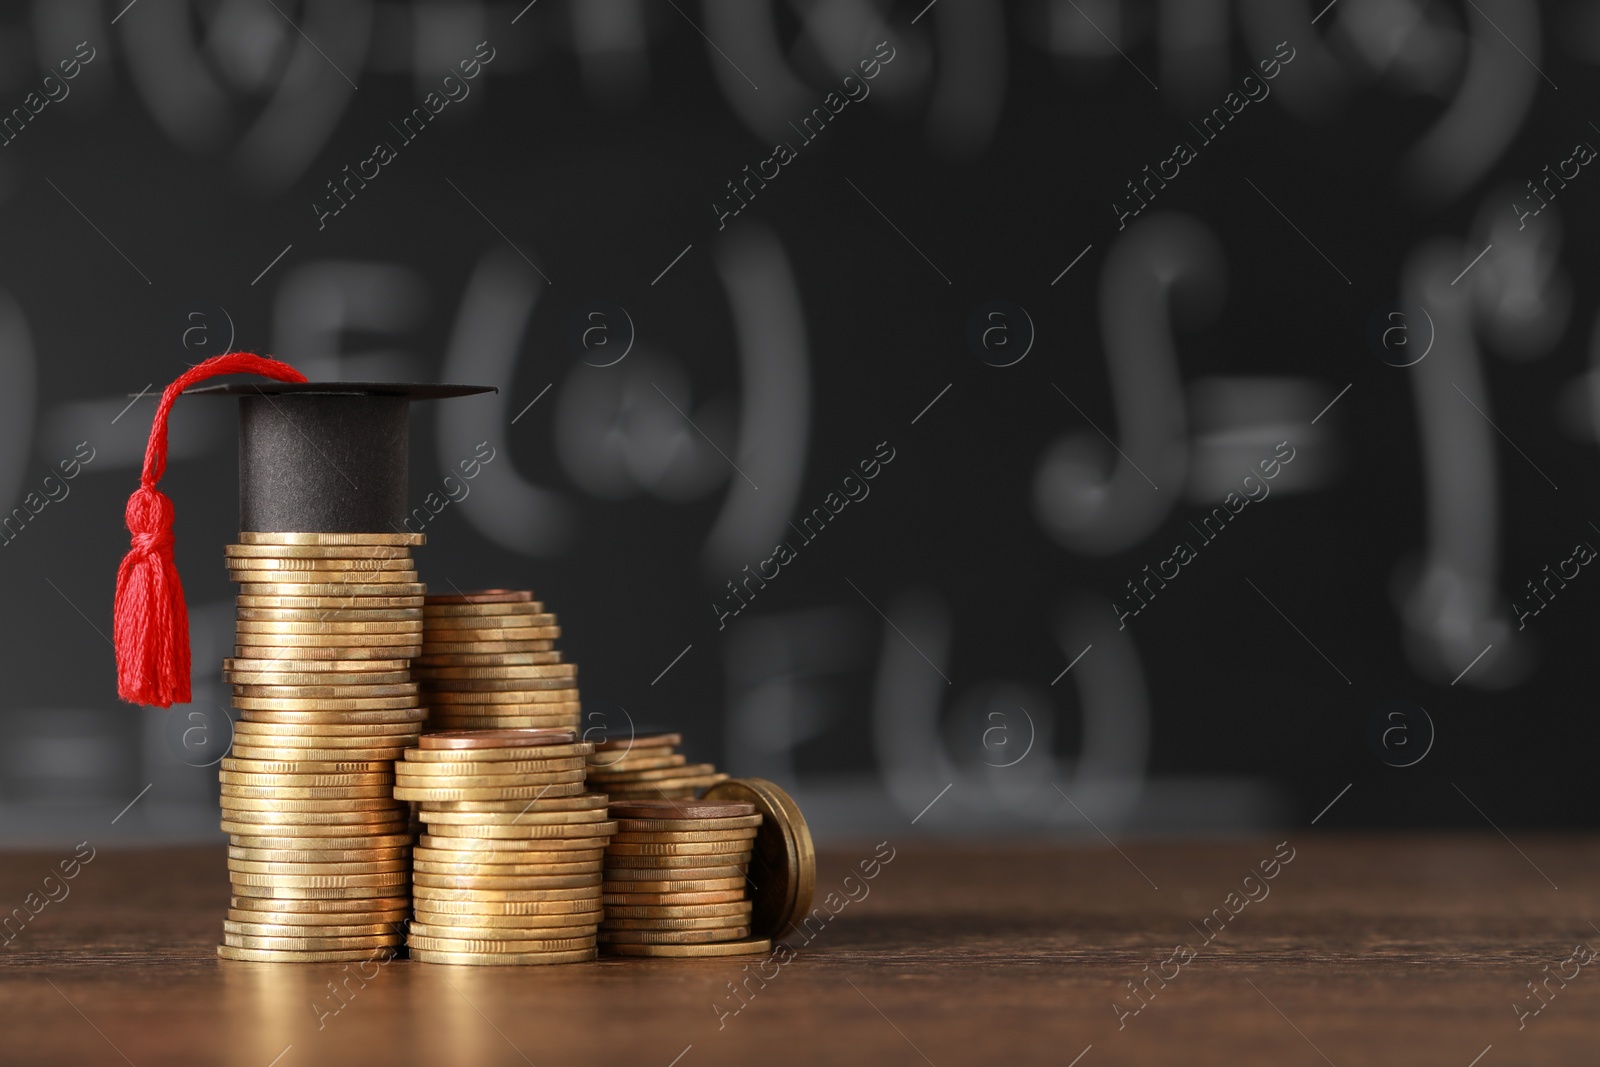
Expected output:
(915, 650)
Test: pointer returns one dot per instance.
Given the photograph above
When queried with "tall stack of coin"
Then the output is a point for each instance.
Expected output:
(646, 767)
(319, 856)
(509, 869)
(675, 877)
(489, 662)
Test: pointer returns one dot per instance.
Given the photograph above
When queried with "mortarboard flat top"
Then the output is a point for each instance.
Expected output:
(409, 390)
(326, 457)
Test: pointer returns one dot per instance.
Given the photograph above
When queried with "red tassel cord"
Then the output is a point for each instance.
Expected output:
(150, 619)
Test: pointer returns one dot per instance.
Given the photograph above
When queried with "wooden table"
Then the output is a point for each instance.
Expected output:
(1365, 950)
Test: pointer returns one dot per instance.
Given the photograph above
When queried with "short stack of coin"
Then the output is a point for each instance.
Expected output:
(675, 876)
(489, 662)
(509, 868)
(319, 855)
(645, 767)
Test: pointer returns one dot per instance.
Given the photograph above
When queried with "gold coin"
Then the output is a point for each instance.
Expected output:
(684, 788)
(542, 902)
(580, 927)
(307, 923)
(350, 820)
(660, 774)
(574, 821)
(242, 551)
(710, 922)
(490, 755)
(329, 616)
(483, 596)
(246, 902)
(426, 667)
(415, 717)
(783, 865)
(437, 683)
(292, 792)
(452, 722)
(621, 869)
(548, 716)
(245, 742)
(310, 563)
(323, 580)
(276, 767)
(356, 653)
(357, 840)
(603, 763)
(738, 908)
(489, 881)
(533, 642)
(281, 537)
(536, 886)
(439, 675)
(538, 629)
(300, 728)
(469, 777)
(318, 679)
(709, 849)
(504, 925)
(334, 589)
(500, 959)
(519, 621)
(490, 659)
(526, 607)
(327, 692)
(295, 892)
(702, 885)
(741, 947)
(528, 691)
(699, 935)
(490, 769)
(680, 837)
(318, 881)
(500, 870)
(391, 703)
(248, 929)
(650, 743)
(306, 855)
(245, 809)
(250, 955)
(353, 867)
(582, 806)
(505, 792)
(328, 629)
(652, 826)
(348, 835)
(500, 833)
(345, 602)
(347, 671)
(306, 781)
(693, 899)
(315, 755)
(311, 944)
(488, 945)
(739, 861)
(676, 809)
(296, 642)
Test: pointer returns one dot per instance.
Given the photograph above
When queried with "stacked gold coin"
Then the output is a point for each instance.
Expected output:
(489, 662)
(508, 870)
(675, 875)
(645, 767)
(318, 856)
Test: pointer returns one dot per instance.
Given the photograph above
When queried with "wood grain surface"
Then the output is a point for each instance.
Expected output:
(1409, 950)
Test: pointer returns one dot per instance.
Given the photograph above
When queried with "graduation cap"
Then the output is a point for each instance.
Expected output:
(314, 457)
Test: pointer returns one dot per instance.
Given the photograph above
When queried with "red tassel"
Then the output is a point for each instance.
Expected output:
(150, 619)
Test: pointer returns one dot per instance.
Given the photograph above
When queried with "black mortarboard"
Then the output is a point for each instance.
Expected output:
(326, 457)
(314, 457)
